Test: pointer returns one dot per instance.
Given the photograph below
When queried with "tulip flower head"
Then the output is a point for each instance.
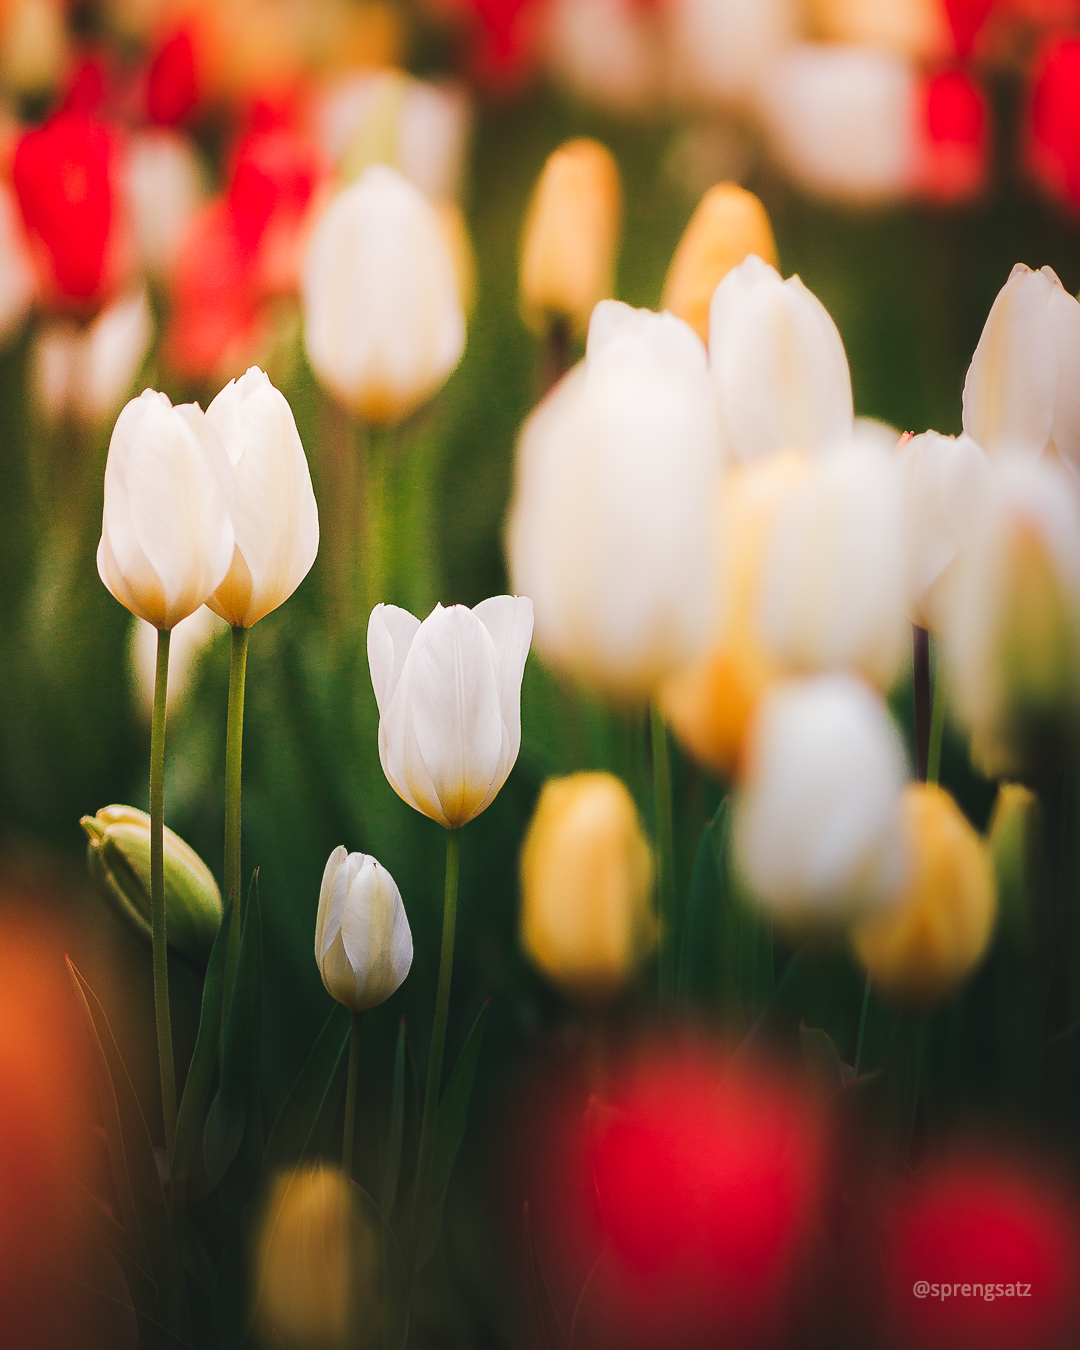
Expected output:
(449, 696)
(363, 943)
(384, 325)
(277, 520)
(167, 535)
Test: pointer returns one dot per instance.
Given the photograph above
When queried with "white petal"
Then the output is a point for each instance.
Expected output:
(330, 871)
(389, 636)
(509, 623)
(1063, 316)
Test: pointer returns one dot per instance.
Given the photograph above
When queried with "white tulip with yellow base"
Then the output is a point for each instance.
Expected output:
(363, 944)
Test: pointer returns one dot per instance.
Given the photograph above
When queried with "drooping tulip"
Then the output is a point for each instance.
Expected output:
(817, 821)
(383, 318)
(277, 520)
(586, 886)
(449, 697)
(167, 535)
(363, 943)
(1022, 392)
(612, 522)
(778, 365)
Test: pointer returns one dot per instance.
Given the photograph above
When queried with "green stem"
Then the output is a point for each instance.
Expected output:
(937, 727)
(350, 1098)
(862, 1022)
(665, 839)
(157, 892)
(234, 740)
(438, 1039)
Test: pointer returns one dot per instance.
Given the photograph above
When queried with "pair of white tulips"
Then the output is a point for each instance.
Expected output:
(210, 508)
(449, 697)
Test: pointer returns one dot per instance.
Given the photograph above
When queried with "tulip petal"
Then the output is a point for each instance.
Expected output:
(389, 637)
(1063, 317)
(509, 623)
(330, 871)
(375, 932)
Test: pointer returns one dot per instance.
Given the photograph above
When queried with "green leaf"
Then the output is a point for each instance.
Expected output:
(192, 1117)
(292, 1130)
(821, 1059)
(392, 1281)
(396, 1130)
(548, 1327)
(232, 1139)
(140, 1282)
(450, 1120)
(708, 963)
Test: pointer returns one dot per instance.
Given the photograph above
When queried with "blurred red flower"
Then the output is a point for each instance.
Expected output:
(966, 19)
(1053, 140)
(172, 84)
(954, 152)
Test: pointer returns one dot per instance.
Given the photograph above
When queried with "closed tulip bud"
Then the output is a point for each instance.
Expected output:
(1022, 392)
(611, 527)
(935, 929)
(778, 365)
(277, 520)
(1012, 623)
(844, 119)
(728, 225)
(87, 372)
(118, 853)
(817, 824)
(383, 318)
(571, 236)
(363, 943)
(586, 886)
(710, 702)
(449, 696)
(833, 583)
(167, 535)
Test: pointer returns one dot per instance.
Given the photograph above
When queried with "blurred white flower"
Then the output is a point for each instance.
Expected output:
(17, 276)
(843, 119)
(1022, 392)
(86, 372)
(778, 365)
(165, 188)
(190, 638)
(449, 696)
(611, 527)
(384, 325)
(817, 827)
(363, 943)
(721, 49)
(608, 51)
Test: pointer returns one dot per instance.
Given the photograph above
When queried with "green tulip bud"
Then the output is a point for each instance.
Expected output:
(118, 855)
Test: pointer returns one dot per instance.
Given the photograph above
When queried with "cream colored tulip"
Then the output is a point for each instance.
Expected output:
(612, 523)
(586, 886)
(1022, 392)
(384, 325)
(86, 372)
(571, 236)
(363, 943)
(449, 696)
(165, 187)
(817, 825)
(277, 520)
(167, 535)
(833, 577)
(778, 365)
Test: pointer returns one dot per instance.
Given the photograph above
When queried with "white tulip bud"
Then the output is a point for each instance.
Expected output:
(165, 186)
(1022, 391)
(449, 696)
(833, 586)
(1012, 621)
(86, 372)
(167, 534)
(843, 119)
(817, 826)
(778, 364)
(277, 520)
(383, 320)
(362, 939)
(611, 528)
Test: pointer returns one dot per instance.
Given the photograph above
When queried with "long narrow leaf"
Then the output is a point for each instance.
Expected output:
(300, 1110)
(395, 1133)
(548, 1326)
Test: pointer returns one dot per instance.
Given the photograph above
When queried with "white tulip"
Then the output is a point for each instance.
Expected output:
(165, 187)
(833, 582)
(1022, 392)
(611, 528)
(720, 49)
(943, 482)
(778, 364)
(362, 939)
(277, 520)
(844, 119)
(817, 828)
(1011, 626)
(167, 534)
(384, 325)
(449, 696)
(86, 372)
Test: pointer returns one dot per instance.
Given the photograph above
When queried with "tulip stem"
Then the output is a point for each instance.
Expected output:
(937, 728)
(157, 892)
(234, 740)
(862, 1022)
(438, 1042)
(350, 1098)
(665, 840)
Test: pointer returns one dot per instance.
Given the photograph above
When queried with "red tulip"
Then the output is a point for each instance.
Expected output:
(966, 19)
(1054, 122)
(172, 88)
(955, 141)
